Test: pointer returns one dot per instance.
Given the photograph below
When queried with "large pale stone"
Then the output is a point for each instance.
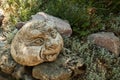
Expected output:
(107, 40)
(36, 42)
(62, 26)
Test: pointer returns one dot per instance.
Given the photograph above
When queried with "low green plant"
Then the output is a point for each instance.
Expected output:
(100, 63)
(85, 16)
(10, 35)
(113, 22)
(80, 13)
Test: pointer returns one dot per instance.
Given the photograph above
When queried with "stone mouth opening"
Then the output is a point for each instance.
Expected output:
(46, 57)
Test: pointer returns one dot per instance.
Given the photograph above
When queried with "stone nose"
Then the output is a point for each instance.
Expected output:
(51, 43)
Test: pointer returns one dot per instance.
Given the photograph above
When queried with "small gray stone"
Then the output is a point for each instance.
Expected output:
(19, 25)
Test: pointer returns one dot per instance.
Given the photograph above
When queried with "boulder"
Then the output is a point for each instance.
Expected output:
(61, 69)
(107, 40)
(62, 26)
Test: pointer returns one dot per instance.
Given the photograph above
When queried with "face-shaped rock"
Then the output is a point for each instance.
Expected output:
(36, 42)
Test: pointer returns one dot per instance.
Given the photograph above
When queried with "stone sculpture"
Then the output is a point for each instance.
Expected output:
(36, 42)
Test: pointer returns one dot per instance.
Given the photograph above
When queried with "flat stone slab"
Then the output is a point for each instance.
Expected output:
(52, 71)
(61, 69)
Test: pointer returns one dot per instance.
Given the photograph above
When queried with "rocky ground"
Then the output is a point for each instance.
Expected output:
(70, 64)
(64, 67)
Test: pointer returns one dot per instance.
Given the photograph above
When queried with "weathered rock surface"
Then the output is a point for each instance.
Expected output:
(36, 42)
(62, 26)
(62, 69)
(6, 62)
(107, 40)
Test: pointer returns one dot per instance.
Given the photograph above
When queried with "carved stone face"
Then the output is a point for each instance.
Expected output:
(36, 42)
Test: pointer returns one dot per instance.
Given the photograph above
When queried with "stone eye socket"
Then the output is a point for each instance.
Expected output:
(53, 33)
(37, 42)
